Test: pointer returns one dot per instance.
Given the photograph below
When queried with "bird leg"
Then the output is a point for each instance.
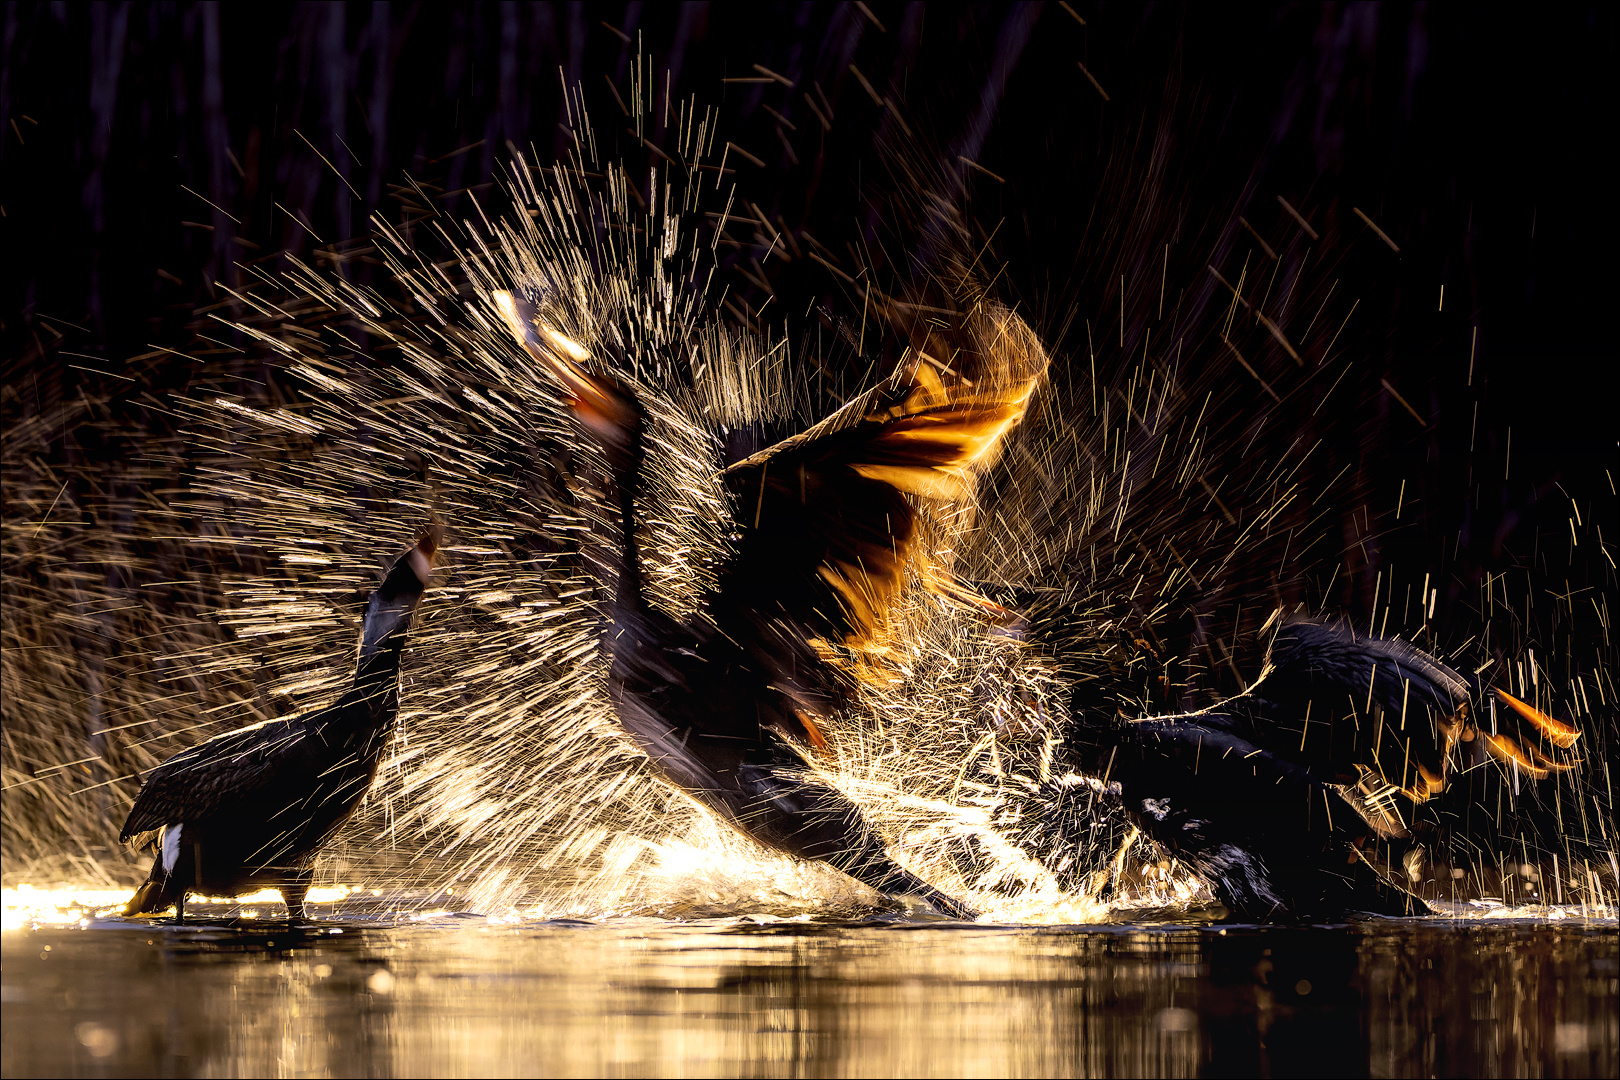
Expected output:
(293, 892)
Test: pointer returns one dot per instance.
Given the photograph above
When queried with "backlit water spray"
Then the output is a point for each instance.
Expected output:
(216, 582)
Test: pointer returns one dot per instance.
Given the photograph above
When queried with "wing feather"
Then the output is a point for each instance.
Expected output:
(195, 784)
(829, 525)
(1388, 716)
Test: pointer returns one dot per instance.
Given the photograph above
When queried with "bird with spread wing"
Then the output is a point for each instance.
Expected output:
(729, 704)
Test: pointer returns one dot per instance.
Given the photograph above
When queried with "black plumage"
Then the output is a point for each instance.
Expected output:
(1271, 839)
(727, 703)
(1282, 797)
(252, 807)
(1385, 715)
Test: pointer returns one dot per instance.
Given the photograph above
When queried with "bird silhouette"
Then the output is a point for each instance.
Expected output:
(1281, 797)
(729, 703)
(252, 807)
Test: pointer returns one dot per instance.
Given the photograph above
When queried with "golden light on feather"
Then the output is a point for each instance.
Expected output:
(864, 595)
(930, 387)
(817, 738)
(1553, 730)
(928, 482)
(928, 436)
(1433, 783)
(1505, 749)
(1545, 762)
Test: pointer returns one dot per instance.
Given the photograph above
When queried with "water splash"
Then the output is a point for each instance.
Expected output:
(509, 785)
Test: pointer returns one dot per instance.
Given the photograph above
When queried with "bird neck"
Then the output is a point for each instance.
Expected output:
(628, 595)
(382, 640)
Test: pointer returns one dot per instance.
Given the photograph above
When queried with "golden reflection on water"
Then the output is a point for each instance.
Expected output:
(27, 905)
(741, 997)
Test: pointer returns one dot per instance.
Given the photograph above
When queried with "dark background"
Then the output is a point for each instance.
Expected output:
(152, 151)
(149, 150)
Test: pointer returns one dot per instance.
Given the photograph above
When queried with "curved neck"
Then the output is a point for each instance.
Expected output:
(627, 594)
(382, 641)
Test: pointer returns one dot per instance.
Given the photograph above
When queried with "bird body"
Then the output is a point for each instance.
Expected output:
(728, 703)
(1269, 836)
(1280, 796)
(676, 694)
(251, 808)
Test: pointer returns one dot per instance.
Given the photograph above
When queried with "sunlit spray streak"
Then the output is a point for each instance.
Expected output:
(509, 781)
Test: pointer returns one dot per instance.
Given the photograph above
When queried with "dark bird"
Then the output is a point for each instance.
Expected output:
(728, 704)
(251, 808)
(1281, 797)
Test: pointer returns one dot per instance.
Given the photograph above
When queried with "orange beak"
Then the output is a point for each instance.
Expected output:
(597, 405)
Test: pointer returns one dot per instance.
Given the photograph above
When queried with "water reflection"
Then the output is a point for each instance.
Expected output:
(469, 997)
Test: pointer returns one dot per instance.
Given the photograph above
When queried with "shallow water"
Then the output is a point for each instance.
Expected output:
(468, 996)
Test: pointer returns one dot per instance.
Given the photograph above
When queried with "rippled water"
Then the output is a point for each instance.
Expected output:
(467, 996)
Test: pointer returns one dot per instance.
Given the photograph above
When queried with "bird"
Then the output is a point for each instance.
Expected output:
(1389, 718)
(1281, 797)
(252, 807)
(729, 704)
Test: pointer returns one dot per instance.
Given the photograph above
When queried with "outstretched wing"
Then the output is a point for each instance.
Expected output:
(828, 519)
(825, 519)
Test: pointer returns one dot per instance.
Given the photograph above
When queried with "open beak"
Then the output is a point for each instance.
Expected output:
(600, 407)
(425, 555)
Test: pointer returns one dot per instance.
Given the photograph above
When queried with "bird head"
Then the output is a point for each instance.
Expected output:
(408, 577)
(604, 405)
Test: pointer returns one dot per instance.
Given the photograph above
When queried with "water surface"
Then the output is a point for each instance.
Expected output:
(467, 996)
